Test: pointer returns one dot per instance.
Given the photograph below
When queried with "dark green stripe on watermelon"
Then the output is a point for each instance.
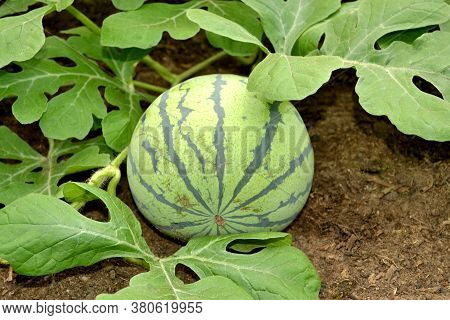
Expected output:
(158, 196)
(264, 221)
(236, 230)
(293, 165)
(219, 135)
(152, 152)
(260, 152)
(167, 128)
(184, 113)
(173, 226)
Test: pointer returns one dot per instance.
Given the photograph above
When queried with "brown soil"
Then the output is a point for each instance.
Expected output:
(376, 225)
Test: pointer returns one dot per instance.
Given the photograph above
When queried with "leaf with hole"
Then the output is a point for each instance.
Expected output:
(118, 125)
(50, 235)
(390, 71)
(276, 271)
(410, 109)
(245, 266)
(23, 170)
(21, 37)
(161, 283)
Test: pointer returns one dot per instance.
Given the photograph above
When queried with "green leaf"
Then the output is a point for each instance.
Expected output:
(242, 15)
(40, 234)
(143, 28)
(60, 5)
(391, 72)
(223, 27)
(281, 77)
(121, 62)
(278, 271)
(161, 283)
(245, 266)
(127, 5)
(118, 125)
(21, 37)
(15, 6)
(445, 26)
(309, 41)
(385, 86)
(35, 173)
(284, 21)
(70, 113)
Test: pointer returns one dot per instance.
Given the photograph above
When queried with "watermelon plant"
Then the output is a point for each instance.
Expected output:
(81, 87)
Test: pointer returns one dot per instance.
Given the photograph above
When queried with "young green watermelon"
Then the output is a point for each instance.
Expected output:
(209, 157)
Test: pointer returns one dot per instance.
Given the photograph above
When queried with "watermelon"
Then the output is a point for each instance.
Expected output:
(209, 157)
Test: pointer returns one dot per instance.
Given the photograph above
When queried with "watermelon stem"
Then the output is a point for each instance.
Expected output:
(148, 86)
(198, 67)
(80, 16)
(165, 73)
(111, 172)
(120, 158)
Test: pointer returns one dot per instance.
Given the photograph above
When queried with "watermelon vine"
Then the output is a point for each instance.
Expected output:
(293, 47)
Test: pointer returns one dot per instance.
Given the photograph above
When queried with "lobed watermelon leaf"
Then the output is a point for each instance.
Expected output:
(50, 235)
(118, 125)
(35, 173)
(70, 113)
(392, 69)
(161, 283)
(143, 28)
(278, 271)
